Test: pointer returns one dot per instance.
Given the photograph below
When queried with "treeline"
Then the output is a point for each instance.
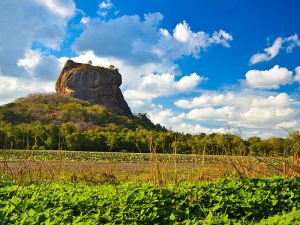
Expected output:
(67, 136)
(55, 121)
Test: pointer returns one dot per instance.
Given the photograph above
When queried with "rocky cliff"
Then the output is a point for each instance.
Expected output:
(98, 85)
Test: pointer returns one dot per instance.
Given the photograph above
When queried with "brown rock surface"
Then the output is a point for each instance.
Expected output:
(98, 85)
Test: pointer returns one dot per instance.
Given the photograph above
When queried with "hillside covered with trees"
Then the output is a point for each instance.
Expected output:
(54, 121)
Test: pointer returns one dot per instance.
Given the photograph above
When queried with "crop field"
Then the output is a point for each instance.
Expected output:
(244, 201)
(157, 169)
(64, 187)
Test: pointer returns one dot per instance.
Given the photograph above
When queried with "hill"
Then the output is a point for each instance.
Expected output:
(57, 121)
(60, 108)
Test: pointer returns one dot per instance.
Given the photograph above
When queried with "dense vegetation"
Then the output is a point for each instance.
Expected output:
(246, 201)
(60, 122)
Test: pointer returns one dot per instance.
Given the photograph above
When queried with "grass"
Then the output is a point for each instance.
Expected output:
(114, 168)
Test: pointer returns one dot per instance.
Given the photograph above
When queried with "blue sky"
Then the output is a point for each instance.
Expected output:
(193, 66)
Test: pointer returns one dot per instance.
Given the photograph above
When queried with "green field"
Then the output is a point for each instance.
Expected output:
(108, 167)
(64, 187)
(130, 157)
(245, 201)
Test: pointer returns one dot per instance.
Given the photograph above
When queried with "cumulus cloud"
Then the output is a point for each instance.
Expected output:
(297, 76)
(209, 113)
(192, 122)
(269, 53)
(184, 42)
(22, 69)
(85, 20)
(288, 124)
(247, 110)
(40, 65)
(30, 60)
(142, 40)
(157, 85)
(176, 121)
(209, 99)
(197, 129)
(34, 21)
(105, 4)
(268, 79)
(104, 7)
(63, 8)
(13, 87)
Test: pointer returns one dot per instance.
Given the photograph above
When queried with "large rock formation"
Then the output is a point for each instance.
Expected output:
(98, 85)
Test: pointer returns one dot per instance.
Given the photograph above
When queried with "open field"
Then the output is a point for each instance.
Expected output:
(61, 187)
(245, 201)
(158, 169)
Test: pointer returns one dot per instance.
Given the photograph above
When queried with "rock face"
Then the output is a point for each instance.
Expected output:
(98, 85)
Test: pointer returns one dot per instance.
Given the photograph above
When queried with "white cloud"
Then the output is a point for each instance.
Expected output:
(157, 85)
(288, 124)
(197, 129)
(30, 60)
(63, 8)
(209, 124)
(34, 21)
(272, 78)
(184, 42)
(245, 109)
(209, 113)
(85, 20)
(210, 99)
(40, 65)
(297, 76)
(105, 7)
(176, 121)
(269, 53)
(107, 4)
(13, 87)
(293, 41)
(222, 37)
(281, 99)
(259, 114)
(143, 41)
(182, 32)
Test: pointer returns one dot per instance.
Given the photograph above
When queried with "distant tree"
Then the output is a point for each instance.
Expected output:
(90, 62)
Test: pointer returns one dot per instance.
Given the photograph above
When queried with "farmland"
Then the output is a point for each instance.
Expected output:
(65, 187)
(162, 169)
(245, 201)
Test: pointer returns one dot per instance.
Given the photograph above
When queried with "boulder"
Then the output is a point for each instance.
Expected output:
(95, 84)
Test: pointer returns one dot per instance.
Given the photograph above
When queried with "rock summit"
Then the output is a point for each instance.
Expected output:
(95, 84)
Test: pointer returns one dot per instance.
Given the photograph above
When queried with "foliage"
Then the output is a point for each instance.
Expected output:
(53, 121)
(246, 201)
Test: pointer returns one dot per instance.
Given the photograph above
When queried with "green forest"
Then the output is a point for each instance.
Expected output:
(59, 122)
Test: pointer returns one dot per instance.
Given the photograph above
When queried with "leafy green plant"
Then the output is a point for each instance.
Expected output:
(245, 201)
